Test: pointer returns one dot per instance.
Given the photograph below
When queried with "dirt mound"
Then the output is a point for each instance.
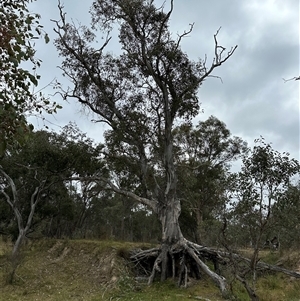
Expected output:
(69, 269)
(91, 261)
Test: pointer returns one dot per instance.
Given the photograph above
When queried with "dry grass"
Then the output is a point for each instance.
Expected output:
(57, 270)
(64, 270)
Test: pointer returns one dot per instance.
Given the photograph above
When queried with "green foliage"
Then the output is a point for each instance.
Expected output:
(203, 157)
(264, 178)
(260, 188)
(19, 28)
(51, 159)
(139, 94)
(286, 216)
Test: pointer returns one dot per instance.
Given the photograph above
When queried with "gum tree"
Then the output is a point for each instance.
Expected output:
(264, 180)
(33, 182)
(205, 153)
(141, 94)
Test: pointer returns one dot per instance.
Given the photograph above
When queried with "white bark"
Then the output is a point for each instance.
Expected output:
(219, 280)
(23, 229)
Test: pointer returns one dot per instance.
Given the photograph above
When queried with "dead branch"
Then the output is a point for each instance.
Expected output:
(293, 78)
(219, 58)
(107, 184)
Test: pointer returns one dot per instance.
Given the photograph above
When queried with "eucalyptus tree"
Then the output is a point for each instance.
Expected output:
(23, 181)
(21, 187)
(285, 217)
(204, 156)
(263, 184)
(264, 178)
(34, 182)
(141, 94)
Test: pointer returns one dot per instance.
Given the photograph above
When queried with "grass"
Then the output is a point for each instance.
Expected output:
(63, 270)
(57, 270)
(278, 287)
(168, 290)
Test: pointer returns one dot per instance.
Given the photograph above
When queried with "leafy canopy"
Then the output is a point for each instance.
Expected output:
(18, 30)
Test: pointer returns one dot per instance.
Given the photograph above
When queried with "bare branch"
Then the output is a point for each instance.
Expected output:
(11, 184)
(106, 184)
(294, 78)
(184, 34)
(219, 59)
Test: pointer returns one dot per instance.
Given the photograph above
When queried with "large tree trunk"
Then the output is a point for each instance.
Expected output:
(179, 257)
(171, 235)
(169, 216)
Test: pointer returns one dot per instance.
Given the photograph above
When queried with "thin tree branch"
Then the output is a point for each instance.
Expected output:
(105, 183)
(293, 78)
(218, 59)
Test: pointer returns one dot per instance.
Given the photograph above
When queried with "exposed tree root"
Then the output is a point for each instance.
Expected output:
(181, 260)
(185, 259)
(219, 280)
(155, 268)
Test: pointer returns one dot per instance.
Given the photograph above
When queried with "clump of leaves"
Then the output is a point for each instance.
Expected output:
(18, 31)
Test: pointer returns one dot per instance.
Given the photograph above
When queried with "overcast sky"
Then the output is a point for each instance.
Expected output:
(253, 99)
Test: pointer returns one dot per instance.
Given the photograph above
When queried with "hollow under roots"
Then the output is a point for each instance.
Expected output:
(184, 260)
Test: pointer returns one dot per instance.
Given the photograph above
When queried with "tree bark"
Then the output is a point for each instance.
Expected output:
(249, 290)
(199, 220)
(171, 233)
(168, 216)
(23, 230)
